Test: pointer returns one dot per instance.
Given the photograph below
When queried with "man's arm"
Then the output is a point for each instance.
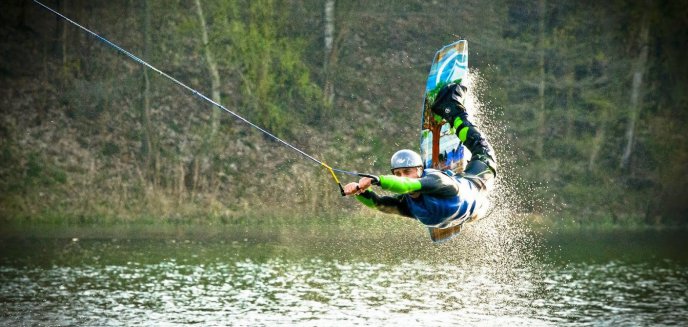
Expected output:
(386, 204)
(435, 184)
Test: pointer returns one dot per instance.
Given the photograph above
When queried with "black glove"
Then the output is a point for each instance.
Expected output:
(376, 179)
(449, 102)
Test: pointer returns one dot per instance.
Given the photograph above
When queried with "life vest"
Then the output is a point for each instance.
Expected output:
(440, 212)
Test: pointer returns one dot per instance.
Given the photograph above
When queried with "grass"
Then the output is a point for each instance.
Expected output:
(607, 224)
(163, 210)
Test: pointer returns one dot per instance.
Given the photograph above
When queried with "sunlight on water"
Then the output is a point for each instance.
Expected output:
(317, 292)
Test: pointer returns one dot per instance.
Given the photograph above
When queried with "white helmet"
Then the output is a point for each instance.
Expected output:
(406, 158)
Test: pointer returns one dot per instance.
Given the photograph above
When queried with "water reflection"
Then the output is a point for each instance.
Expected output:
(320, 291)
(494, 274)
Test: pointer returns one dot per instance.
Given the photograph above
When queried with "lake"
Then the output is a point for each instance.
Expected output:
(383, 274)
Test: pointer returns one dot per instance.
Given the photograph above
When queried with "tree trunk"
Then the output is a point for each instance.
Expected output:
(598, 140)
(63, 36)
(328, 93)
(636, 92)
(214, 73)
(180, 182)
(147, 147)
(329, 28)
(541, 118)
(570, 108)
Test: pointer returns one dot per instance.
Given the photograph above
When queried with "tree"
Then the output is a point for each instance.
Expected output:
(541, 115)
(212, 69)
(148, 140)
(328, 89)
(638, 71)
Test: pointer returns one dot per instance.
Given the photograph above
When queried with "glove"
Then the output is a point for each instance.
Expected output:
(375, 179)
(449, 102)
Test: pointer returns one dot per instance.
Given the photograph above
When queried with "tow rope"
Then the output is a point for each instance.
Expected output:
(204, 97)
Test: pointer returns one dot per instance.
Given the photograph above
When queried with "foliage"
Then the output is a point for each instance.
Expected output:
(272, 77)
(85, 132)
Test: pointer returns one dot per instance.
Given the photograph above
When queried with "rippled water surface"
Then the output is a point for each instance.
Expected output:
(306, 280)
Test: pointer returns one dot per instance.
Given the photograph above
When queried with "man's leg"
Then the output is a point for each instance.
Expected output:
(483, 167)
(449, 105)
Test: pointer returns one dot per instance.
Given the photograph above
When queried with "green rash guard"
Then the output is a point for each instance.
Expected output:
(433, 183)
(442, 198)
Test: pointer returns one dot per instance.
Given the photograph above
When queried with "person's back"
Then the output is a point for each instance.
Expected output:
(444, 199)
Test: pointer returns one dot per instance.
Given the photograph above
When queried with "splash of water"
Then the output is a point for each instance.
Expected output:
(502, 240)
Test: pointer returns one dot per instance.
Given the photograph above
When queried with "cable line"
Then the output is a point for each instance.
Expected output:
(202, 96)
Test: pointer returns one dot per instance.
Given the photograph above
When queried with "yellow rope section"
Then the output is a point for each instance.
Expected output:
(331, 172)
(341, 189)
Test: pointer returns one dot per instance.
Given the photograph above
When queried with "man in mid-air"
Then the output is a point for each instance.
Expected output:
(440, 200)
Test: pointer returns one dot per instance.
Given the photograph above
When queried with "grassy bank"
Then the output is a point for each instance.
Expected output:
(565, 223)
(147, 226)
(162, 211)
(357, 237)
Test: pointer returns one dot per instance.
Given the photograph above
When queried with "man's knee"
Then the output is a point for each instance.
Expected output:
(482, 170)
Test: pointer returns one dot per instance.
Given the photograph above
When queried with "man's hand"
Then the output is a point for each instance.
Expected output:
(351, 189)
(364, 183)
(358, 188)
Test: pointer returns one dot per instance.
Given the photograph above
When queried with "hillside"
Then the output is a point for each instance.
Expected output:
(584, 102)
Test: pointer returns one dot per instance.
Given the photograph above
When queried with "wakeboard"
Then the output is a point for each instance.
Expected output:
(440, 148)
